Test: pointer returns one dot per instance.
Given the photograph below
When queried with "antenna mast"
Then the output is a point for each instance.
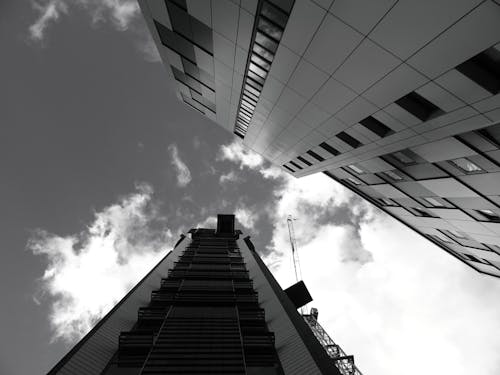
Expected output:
(295, 252)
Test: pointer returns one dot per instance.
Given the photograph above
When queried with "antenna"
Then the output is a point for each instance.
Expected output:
(295, 250)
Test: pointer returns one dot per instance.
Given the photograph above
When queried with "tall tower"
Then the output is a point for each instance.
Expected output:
(210, 306)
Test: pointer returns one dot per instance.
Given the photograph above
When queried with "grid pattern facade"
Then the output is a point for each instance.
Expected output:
(204, 45)
(343, 85)
(204, 319)
(448, 190)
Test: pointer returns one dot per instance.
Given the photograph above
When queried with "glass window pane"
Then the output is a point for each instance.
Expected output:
(393, 175)
(257, 48)
(247, 105)
(246, 112)
(270, 29)
(243, 116)
(354, 181)
(274, 14)
(266, 42)
(249, 100)
(252, 90)
(258, 70)
(433, 202)
(466, 165)
(255, 85)
(256, 78)
(260, 62)
(250, 95)
(403, 158)
(489, 214)
(356, 169)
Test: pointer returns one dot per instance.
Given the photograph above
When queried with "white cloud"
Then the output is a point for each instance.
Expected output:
(181, 169)
(121, 14)
(109, 256)
(210, 222)
(231, 176)
(412, 298)
(49, 12)
(241, 155)
(246, 216)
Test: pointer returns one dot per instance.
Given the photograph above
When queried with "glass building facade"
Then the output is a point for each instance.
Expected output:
(397, 100)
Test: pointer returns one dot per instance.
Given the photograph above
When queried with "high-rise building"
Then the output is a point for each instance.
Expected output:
(396, 100)
(210, 306)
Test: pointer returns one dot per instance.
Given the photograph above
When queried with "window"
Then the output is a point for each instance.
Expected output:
(351, 141)
(376, 127)
(264, 64)
(492, 134)
(454, 234)
(419, 107)
(433, 202)
(353, 181)
(296, 165)
(305, 161)
(315, 155)
(466, 166)
(404, 157)
(441, 238)
(489, 214)
(274, 14)
(330, 149)
(266, 42)
(261, 51)
(386, 202)
(356, 169)
(270, 28)
(484, 69)
(287, 167)
(393, 175)
(271, 22)
(472, 258)
(417, 211)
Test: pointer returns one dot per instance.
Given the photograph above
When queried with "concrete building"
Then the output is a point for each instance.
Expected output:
(397, 100)
(210, 306)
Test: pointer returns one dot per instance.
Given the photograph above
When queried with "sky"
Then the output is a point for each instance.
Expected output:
(102, 169)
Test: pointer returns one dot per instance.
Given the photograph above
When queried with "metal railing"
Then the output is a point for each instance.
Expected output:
(344, 362)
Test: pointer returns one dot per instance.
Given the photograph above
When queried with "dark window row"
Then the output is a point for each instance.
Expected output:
(189, 27)
(484, 69)
(325, 146)
(269, 27)
(186, 32)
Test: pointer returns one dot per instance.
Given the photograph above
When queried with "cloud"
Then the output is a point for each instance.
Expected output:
(49, 12)
(412, 297)
(210, 222)
(231, 176)
(114, 252)
(241, 155)
(121, 14)
(246, 217)
(183, 173)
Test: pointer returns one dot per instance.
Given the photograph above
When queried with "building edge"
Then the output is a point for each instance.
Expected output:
(59, 366)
